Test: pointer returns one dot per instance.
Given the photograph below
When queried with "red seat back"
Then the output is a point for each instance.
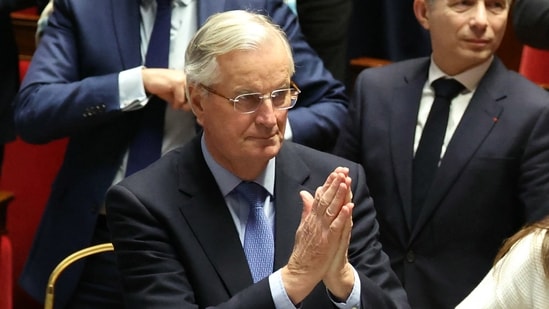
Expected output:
(534, 65)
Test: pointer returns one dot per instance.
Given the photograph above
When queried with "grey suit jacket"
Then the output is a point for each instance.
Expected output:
(177, 246)
(493, 178)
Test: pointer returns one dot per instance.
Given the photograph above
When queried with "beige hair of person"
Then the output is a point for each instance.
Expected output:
(543, 224)
(226, 32)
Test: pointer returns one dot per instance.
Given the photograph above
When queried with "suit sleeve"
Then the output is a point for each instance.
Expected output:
(67, 89)
(380, 285)
(531, 22)
(322, 104)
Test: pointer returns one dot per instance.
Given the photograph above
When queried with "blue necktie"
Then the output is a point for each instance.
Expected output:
(258, 239)
(430, 145)
(146, 145)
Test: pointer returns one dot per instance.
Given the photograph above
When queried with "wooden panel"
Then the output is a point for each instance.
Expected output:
(24, 25)
(510, 49)
(5, 199)
(356, 65)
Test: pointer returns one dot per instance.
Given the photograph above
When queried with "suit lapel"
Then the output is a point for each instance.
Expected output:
(126, 24)
(405, 106)
(478, 120)
(205, 211)
(291, 174)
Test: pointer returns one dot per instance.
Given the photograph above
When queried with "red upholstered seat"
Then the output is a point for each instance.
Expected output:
(28, 172)
(23, 66)
(6, 273)
(534, 65)
(6, 255)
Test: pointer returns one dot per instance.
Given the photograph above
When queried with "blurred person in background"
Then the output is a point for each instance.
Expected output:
(531, 22)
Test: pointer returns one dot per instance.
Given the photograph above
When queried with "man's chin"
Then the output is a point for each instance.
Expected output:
(269, 150)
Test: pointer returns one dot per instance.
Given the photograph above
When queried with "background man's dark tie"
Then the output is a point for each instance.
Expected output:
(146, 145)
(428, 152)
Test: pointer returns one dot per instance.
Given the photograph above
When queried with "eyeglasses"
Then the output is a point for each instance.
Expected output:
(247, 103)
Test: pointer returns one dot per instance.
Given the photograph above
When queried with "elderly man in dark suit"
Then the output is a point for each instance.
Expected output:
(446, 201)
(181, 228)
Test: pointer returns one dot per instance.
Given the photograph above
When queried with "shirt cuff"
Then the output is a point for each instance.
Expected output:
(282, 301)
(280, 297)
(131, 89)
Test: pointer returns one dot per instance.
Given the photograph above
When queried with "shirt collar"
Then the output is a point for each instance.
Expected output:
(228, 181)
(469, 78)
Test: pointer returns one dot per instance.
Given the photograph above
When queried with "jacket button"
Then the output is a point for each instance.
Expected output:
(410, 256)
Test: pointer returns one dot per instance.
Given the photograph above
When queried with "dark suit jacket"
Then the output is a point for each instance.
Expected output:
(386, 29)
(325, 24)
(493, 178)
(173, 232)
(531, 22)
(71, 90)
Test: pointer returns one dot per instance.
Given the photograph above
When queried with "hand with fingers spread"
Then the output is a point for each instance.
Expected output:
(167, 84)
(322, 239)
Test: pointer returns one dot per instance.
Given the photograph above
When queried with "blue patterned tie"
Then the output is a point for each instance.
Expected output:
(430, 145)
(258, 239)
(146, 146)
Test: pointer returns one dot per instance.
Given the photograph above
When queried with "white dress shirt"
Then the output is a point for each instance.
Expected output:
(179, 126)
(469, 79)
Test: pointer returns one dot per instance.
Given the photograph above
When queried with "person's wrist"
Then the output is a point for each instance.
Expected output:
(340, 285)
(297, 283)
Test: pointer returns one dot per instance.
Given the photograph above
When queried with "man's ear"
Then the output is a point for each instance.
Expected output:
(422, 12)
(195, 96)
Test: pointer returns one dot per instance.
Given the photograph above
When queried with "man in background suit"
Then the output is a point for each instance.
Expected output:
(86, 82)
(531, 22)
(493, 165)
(325, 24)
(180, 230)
